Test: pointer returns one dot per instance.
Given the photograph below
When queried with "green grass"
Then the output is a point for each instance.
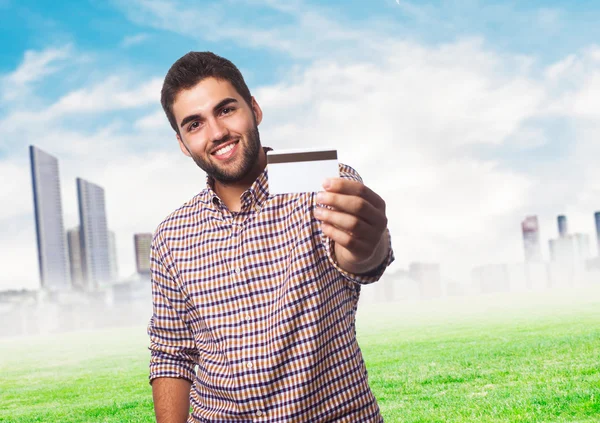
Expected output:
(527, 358)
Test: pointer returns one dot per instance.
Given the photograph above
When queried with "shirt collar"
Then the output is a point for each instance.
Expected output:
(257, 193)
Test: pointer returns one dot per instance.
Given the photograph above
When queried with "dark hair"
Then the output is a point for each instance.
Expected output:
(193, 68)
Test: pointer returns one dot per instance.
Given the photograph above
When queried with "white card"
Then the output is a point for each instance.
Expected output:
(293, 171)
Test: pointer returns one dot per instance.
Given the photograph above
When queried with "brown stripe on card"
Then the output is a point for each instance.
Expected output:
(308, 156)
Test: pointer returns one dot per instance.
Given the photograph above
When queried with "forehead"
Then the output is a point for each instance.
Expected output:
(202, 97)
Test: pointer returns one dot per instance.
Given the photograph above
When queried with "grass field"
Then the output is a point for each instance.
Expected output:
(527, 358)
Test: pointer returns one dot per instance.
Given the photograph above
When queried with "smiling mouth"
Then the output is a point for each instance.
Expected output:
(226, 150)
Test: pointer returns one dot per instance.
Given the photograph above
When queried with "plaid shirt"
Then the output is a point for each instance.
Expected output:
(252, 308)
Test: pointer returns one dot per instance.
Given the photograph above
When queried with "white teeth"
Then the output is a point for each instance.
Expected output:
(225, 149)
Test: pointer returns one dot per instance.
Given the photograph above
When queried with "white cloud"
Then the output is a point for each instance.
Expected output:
(168, 15)
(133, 40)
(216, 23)
(112, 94)
(15, 188)
(115, 93)
(576, 82)
(35, 66)
(152, 121)
(17, 243)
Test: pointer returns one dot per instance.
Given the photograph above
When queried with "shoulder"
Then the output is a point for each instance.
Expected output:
(184, 216)
(348, 172)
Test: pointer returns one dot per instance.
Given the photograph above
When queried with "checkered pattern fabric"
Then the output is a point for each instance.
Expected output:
(252, 308)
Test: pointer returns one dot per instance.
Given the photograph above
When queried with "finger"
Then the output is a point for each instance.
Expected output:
(356, 206)
(348, 223)
(349, 187)
(353, 244)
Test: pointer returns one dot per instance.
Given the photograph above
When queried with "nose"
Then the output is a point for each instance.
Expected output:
(217, 130)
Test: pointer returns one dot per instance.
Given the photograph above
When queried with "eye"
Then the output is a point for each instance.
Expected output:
(227, 110)
(193, 126)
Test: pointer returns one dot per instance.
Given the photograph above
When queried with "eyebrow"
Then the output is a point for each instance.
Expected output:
(220, 105)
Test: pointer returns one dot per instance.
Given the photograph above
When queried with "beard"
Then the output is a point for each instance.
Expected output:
(248, 160)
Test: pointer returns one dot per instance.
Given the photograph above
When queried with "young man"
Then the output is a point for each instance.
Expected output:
(254, 294)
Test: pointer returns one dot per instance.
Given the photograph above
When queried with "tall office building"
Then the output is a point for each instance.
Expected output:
(562, 226)
(531, 239)
(112, 256)
(142, 244)
(78, 278)
(51, 243)
(597, 220)
(94, 234)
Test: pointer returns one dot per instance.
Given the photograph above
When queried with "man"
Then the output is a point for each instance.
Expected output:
(254, 294)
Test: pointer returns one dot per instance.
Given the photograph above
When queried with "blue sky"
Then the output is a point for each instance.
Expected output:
(464, 115)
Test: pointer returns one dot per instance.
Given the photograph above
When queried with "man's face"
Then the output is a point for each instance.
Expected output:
(218, 129)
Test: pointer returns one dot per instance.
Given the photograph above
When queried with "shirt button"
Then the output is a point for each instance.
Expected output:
(237, 270)
(247, 317)
(258, 413)
(249, 365)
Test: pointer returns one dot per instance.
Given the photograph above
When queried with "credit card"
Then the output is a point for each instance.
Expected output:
(295, 171)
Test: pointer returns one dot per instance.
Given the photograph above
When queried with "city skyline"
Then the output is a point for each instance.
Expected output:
(83, 257)
(92, 259)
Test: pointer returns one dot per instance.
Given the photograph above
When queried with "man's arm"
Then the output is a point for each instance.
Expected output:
(173, 352)
(171, 399)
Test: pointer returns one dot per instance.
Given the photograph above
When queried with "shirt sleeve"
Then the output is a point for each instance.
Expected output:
(347, 172)
(173, 352)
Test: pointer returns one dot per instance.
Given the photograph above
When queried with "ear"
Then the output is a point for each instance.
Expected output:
(183, 147)
(257, 111)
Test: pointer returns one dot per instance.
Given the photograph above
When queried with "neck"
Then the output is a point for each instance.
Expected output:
(230, 193)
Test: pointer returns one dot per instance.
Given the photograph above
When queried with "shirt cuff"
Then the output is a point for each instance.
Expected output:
(163, 365)
(365, 278)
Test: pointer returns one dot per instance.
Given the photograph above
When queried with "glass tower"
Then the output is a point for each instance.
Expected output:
(531, 239)
(142, 244)
(94, 234)
(597, 221)
(51, 239)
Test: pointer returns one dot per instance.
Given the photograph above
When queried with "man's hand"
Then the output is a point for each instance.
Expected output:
(357, 224)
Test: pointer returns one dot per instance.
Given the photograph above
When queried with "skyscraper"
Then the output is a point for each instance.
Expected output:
(562, 226)
(531, 238)
(78, 278)
(112, 256)
(142, 252)
(51, 243)
(94, 234)
(597, 219)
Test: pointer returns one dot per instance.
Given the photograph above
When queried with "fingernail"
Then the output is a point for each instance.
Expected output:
(327, 183)
(320, 197)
